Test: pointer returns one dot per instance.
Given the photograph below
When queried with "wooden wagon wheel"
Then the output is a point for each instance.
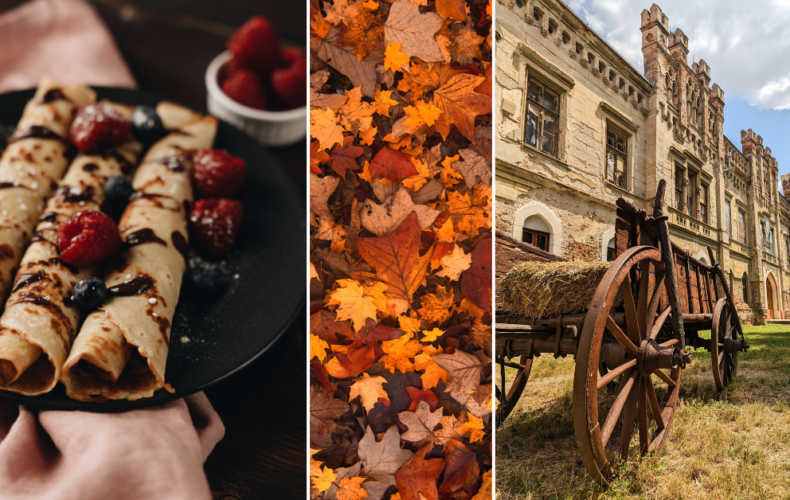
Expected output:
(724, 345)
(507, 398)
(645, 374)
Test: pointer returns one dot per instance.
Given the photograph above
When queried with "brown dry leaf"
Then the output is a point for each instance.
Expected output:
(397, 259)
(466, 47)
(369, 389)
(436, 306)
(363, 33)
(421, 422)
(452, 428)
(455, 9)
(319, 100)
(425, 77)
(382, 459)
(341, 11)
(324, 409)
(454, 263)
(350, 488)
(464, 370)
(321, 188)
(356, 115)
(343, 59)
(382, 219)
(475, 168)
(343, 157)
(413, 30)
(417, 479)
(462, 104)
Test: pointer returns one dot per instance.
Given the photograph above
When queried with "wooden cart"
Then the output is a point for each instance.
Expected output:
(629, 359)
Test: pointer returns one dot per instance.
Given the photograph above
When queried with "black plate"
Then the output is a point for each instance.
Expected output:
(252, 311)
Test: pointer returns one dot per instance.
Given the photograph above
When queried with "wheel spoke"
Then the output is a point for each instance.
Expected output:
(653, 306)
(632, 323)
(669, 343)
(621, 337)
(660, 323)
(721, 356)
(603, 381)
(617, 407)
(628, 423)
(643, 442)
(651, 397)
(666, 378)
(641, 307)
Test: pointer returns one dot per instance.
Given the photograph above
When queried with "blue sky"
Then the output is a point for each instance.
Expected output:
(745, 43)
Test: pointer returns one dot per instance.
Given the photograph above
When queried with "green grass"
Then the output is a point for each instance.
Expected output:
(729, 444)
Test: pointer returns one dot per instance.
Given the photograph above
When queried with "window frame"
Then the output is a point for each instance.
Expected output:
(745, 289)
(742, 241)
(543, 110)
(536, 233)
(728, 217)
(617, 133)
(691, 194)
(704, 205)
(680, 175)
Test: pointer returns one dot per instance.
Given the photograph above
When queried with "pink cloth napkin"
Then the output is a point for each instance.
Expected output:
(64, 39)
(154, 453)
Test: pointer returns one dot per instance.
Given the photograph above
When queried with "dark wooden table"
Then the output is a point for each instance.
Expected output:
(168, 46)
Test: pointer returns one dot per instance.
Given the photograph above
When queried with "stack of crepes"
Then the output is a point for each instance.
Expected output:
(35, 158)
(121, 349)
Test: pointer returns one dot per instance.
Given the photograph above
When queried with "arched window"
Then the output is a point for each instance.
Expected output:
(745, 288)
(537, 232)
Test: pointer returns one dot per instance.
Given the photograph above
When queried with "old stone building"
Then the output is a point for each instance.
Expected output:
(579, 127)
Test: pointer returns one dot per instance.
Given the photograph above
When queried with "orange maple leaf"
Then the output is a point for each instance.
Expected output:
(436, 306)
(325, 128)
(461, 103)
(398, 353)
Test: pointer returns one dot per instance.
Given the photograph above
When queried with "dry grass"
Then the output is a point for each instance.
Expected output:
(734, 444)
(544, 289)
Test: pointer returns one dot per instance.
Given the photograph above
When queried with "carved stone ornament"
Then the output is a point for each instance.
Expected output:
(584, 62)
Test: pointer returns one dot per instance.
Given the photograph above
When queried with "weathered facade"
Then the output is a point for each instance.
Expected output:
(579, 127)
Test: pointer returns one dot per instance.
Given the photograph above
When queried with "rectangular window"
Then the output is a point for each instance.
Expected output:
(537, 238)
(771, 240)
(543, 108)
(690, 205)
(787, 249)
(703, 203)
(727, 218)
(679, 188)
(741, 226)
(616, 158)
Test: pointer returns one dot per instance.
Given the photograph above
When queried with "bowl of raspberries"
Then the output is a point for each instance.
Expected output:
(260, 87)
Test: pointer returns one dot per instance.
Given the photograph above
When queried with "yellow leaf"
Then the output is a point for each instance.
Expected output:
(383, 103)
(355, 115)
(353, 303)
(366, 138)
(370, 4)
(325, 480)
(431, 336)
(454, 263)
(433, 372)
(488, 9)
(365, 174)
(419, 114)
(436, 306)
(369, 389)
(324, 127)
(335, 369)
(376, 292)
(446, 234)
(486, 491)
(449, 176)
(471, 308)
(315, 465)
(415, 182)
(318, 347)
(350, 488)
(398, 353)
(410, 325)
(475, 427)
(313, 272)
(394, 58)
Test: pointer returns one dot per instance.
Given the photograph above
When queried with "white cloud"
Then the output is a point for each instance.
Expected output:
(745, 43)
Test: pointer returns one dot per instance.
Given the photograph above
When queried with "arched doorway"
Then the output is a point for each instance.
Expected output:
(772, 295)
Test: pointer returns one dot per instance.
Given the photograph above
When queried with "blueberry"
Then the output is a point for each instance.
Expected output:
(146, 124)
(204, 280)
(90, 293)
(118, 190)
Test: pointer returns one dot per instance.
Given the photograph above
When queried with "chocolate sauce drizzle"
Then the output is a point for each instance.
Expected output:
(48, 217)
(137, 286)
(52, 95)
(35, 299)
(27, 279)
(90, 167)
(70, 196)
(38, 132)
(142, 236)
(175, 163)
(180, 243)
(10, 185)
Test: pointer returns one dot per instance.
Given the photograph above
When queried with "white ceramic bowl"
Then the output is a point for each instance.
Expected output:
(270, 128)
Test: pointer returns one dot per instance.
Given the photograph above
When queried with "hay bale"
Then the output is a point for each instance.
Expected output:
(548, 289)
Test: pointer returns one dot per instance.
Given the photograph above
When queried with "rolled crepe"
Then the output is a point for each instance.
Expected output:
(40, 319)
(121, 349)
(32, 164)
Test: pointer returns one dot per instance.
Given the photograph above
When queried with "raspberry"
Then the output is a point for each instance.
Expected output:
(217, 174)
(216, 223)
(98, 126)
(289, 82)
(246, 88)
(87, 237)
(254, 46)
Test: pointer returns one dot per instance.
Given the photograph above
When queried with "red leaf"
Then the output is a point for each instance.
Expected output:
(343, 158)
(417, 395)
(418, 476)
(321, 374)
(462, 470)
(476, 281)
(394, 164)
